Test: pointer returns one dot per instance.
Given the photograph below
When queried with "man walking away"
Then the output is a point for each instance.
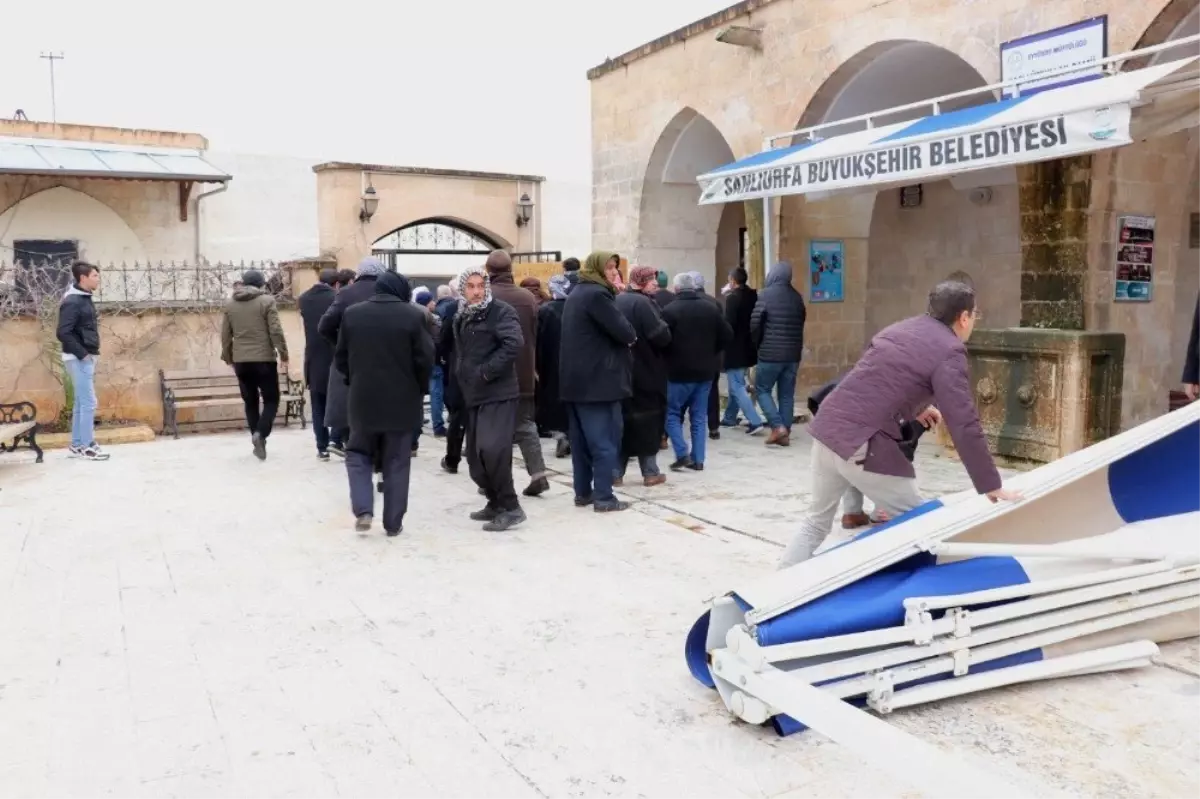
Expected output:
(856, 437)
(594, 368)
(361, 290)
(386, 353)
(487, 343)
(456, 413)
(251, 335)
(79, 334)
(777, 328)
(499, 268)
(318, 353)
(699, 333)
(742, 353)
(713, 409)
(644, 413)
(551, 412)
(437, 384)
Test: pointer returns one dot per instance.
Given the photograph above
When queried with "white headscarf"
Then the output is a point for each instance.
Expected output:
(460, 288)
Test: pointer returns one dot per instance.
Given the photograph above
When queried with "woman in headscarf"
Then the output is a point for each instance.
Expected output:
(551, 413)
(594, 368)
(534, 287)
(645, 412)
(613, 268)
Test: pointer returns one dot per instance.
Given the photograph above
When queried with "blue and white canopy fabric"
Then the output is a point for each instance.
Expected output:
(1071, 120)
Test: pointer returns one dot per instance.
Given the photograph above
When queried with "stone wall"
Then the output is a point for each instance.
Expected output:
(133, 349)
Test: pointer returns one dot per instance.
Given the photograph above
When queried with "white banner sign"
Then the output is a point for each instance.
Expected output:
(1071, 54)
(890, 162)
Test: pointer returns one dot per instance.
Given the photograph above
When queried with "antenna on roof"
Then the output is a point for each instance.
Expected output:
(52, 57)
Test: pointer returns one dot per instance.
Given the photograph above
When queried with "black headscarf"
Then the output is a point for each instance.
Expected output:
(395, 284)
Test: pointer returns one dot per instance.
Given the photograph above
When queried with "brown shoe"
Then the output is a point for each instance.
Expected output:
(618, 482)
(784, 440)
(776, 434)
(656, 480)
(852, 521)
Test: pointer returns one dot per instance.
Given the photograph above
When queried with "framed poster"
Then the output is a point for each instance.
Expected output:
(826, 259)
(1135, 259)
(1057, 57)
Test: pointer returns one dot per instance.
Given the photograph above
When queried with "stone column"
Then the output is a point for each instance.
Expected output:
(1054, 200)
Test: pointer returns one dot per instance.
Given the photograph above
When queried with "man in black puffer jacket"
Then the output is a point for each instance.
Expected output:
(777, 327)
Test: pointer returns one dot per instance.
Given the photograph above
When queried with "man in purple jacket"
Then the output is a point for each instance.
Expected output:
(907, 368)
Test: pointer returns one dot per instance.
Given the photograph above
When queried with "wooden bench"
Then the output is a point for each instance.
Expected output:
(216, 388)
(18, 425)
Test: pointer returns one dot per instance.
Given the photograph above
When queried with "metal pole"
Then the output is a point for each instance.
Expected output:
(766, 236)
(52, 57)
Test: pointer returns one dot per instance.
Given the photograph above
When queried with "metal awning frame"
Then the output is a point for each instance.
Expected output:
(1110, 65)
(184, 180)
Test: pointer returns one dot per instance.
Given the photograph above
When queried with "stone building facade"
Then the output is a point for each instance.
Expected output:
(1038, 244)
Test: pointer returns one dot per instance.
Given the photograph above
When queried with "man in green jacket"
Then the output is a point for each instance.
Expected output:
(251, 335)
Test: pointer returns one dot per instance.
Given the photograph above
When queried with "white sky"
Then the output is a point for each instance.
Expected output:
(467, 84)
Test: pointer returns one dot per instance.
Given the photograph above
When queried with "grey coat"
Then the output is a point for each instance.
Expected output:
(777, 323)
(907, 367)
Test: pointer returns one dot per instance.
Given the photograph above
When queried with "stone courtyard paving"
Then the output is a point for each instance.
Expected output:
(186, 621)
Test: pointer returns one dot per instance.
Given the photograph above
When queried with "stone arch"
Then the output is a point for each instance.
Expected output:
(674, 232)
(893, 255)
(485, 237)
(1176, 19)
(61, 213)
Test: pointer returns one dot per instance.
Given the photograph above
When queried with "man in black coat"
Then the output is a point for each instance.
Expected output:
(386, 354)
(487, 342)
(742, 353)
(699, 334)
(594, 373)
(318, 356)
(777, 327)
(1191, 363)
(456, 413)
(361, 290)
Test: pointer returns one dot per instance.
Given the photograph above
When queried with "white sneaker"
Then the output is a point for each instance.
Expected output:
(92, 452)
(74, 451)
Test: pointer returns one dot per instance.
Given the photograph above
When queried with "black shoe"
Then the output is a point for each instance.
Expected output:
(260, 446)
(485, 514)
(505, 520)
(394, 533)
(322, 456)
(696, 467)
(337, 449)
(482, 493)
(446, 467)
(414, 452)
(714, 434)
(537, 487)
(363, 523)
(562, 448)
(583, 502)
(439, 433)
(681, 464)
(610, 507)
(379, 487)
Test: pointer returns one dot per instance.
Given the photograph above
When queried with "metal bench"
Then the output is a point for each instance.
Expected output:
(182, 390)
(18, 425)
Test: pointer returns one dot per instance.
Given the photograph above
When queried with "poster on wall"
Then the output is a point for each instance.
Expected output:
(1135, 259)
(825, 265)
(1057, 57)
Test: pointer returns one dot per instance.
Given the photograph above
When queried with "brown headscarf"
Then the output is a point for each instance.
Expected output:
(593, 269)
(534, 287)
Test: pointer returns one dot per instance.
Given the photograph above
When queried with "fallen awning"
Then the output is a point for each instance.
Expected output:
(1071, 120)
(63, 158)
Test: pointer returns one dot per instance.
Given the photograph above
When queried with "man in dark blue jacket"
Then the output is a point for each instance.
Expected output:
(777, 327)
(79, 335)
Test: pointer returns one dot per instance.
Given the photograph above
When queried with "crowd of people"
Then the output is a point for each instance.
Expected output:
(613, 367)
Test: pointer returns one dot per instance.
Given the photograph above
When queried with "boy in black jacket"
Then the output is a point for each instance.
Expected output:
(79, 334)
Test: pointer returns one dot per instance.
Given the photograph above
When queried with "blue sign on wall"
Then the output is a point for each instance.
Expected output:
(826, 266)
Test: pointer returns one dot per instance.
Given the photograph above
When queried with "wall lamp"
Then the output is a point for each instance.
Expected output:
(370, 201)
(524, 210)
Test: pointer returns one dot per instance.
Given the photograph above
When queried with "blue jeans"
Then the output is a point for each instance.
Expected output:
(768, 376)
(692, 398)
(739, 398)
(437, 402)
(595, 432)
(83, 413)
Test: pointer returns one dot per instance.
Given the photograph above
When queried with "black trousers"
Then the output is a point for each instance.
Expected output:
(490, 431)
(259, 379)
(456, 421)
(393, 451)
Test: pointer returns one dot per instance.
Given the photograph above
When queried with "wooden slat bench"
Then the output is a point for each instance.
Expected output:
(214, 388)
(19, 425)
